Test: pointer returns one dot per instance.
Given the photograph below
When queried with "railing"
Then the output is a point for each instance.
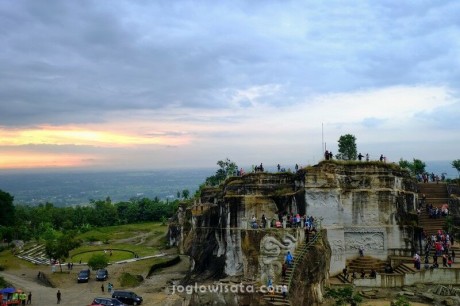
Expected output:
(301, 254)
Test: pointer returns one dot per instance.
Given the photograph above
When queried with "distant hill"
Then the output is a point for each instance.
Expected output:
(73, 188)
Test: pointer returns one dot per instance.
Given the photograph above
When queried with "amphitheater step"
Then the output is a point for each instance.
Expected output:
(366, 263)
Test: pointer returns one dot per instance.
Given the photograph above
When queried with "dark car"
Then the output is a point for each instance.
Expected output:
(107, 302)
(83, 276)
(128, 297)
(102, 275)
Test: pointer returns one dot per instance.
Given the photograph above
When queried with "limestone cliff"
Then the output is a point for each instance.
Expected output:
(310, 279)
(361, 203)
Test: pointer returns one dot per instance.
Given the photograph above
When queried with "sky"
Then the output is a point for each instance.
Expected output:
(168, 84)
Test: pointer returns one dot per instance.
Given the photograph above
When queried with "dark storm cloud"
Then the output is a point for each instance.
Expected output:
(75, 61)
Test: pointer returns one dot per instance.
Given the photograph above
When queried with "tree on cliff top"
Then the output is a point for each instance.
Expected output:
(227, 168)
(456, 165)
(416, 167)
(347, 147)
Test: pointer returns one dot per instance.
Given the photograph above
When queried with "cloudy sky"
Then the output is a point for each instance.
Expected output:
(159, 84)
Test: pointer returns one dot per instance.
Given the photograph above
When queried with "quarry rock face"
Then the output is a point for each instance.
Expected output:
(362, 204)
(359, 204)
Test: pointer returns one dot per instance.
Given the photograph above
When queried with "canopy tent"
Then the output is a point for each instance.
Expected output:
(8, 290)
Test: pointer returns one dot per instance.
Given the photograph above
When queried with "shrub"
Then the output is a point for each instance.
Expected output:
(129, 280)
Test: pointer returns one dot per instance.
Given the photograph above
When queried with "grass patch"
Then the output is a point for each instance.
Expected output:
(119, 232)
(130, 280)
(9, 261)
(143, 239)
(85, 254)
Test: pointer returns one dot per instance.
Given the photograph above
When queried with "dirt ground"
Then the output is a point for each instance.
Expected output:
(153, 290)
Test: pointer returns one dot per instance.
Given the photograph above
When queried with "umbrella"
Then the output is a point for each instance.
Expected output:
(8, 290)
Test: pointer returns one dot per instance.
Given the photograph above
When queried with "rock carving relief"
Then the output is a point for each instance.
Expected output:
(337, 249)
(370, 241)
(272, 252)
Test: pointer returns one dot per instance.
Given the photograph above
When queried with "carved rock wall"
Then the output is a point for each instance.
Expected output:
(359, 204)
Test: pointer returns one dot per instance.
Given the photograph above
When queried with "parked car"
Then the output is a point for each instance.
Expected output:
(83, 276)
(102, 275)
(128, 297)
(107, 302)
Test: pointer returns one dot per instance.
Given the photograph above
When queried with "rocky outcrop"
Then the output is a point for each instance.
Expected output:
(310, 279)
(363, 204)
(360, 203)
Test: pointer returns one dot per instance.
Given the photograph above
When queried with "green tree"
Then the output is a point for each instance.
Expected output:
(416, 167)
(347, 147)
(344, 296)
(104, 213)
(456, 165)
(7, 210)
(401, 301)
(185, 193)
(98, 261)
(59, 248)
(227, 168)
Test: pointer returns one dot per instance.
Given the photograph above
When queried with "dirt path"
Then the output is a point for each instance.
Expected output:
(43, 296)
(74, 294)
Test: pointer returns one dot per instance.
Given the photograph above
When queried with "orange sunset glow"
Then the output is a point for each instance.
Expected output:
(78, 136)
(49, 138)
(24, 160)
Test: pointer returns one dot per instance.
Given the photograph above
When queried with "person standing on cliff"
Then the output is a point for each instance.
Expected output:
(361, 250)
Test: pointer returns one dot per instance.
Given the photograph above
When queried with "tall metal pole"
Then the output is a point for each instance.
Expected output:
(322, 140)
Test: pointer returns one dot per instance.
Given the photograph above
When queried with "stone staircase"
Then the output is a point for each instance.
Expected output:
(366, 263)
(405, 268)
(436, 194)
(299, 254)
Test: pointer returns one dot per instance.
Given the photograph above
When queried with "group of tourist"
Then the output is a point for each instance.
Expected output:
(284, 220)
(372, 274)
(281, 169)
(441, 246)
(426, 177)
(436, 212)
(19, 298)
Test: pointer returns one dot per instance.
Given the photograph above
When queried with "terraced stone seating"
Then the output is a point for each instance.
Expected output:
(35, 254)
(366, 263)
